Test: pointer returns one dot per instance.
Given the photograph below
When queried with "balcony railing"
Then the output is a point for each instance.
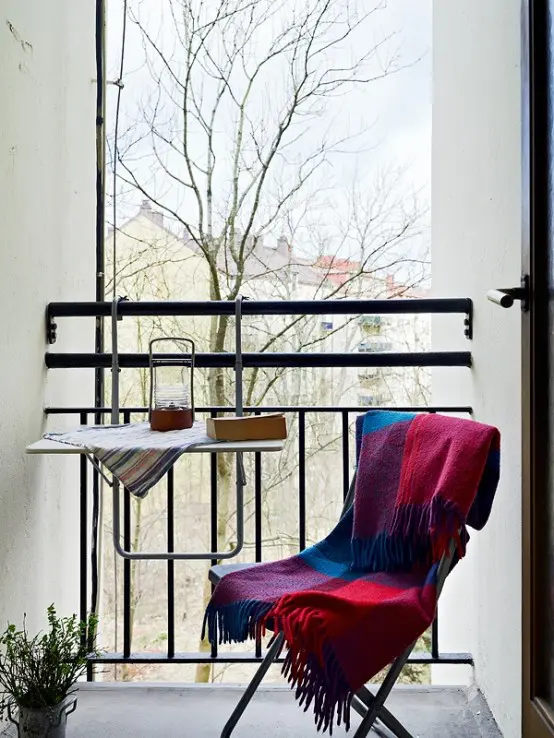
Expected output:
(88, 555)
(90, 488)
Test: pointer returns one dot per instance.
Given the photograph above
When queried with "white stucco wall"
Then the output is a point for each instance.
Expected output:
(476, 246)
(47, 180)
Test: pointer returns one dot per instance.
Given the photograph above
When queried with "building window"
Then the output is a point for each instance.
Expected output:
(370, 400)
(371, 324)
(372, 347)
(369, 377)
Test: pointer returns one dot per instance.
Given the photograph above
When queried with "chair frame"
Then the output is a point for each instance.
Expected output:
(370, 706)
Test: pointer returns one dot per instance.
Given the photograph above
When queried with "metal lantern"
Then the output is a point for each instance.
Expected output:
(172, 387)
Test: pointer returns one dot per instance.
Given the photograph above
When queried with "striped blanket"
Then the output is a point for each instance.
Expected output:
(136, 455)
(350, 605)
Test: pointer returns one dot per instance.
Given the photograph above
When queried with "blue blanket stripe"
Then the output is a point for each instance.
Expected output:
(375, 420)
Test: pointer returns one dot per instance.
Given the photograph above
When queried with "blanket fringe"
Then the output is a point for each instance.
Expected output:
(417, 536)
(236, 622)
(387, 552)
(311, 667)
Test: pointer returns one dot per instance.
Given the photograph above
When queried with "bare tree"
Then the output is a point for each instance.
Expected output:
(228, 144)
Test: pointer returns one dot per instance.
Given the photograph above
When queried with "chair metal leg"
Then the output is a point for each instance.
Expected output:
(378, 727)
(375, 706)
(271, 655)
(375, 709)
(364, 701)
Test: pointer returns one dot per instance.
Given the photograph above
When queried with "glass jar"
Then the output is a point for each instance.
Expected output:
(171, 397)
(172, 410)
(171, 383)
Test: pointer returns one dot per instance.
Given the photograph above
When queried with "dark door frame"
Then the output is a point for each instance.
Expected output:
(537, 238)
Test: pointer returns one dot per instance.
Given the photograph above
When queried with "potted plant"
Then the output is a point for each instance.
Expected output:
(38, 675)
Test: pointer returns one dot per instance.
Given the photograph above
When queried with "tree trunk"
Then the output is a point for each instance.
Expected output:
(225, 471)
(127, 672)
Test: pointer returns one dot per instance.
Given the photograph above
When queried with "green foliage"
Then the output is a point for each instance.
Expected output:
(41, 671)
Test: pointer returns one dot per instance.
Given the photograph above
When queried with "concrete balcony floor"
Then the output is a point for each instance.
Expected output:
(167, 711)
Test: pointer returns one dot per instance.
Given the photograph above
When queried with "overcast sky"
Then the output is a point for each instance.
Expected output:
(397, 112)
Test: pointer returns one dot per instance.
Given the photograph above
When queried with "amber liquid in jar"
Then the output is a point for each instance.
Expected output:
(171, 409)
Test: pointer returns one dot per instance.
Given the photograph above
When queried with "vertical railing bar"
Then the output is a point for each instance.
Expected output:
(95, 537)
(435, 637)
(345, 455)
(302, 479)
(170, 563)
(83, 533)
(127, 563)
(258, 503)
(94, 556)
(94, 543)
(213, 515)
(258, 521)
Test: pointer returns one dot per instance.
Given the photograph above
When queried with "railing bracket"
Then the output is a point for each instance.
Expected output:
(51, 327)
(468, 322)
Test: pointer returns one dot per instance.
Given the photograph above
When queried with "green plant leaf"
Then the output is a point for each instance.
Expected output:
(40, 671)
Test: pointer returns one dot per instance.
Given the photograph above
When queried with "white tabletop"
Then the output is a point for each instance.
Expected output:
(46, 446)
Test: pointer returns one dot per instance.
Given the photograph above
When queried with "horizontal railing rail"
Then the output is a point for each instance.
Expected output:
(395, 306)
(161, 308)
(251, 658)
(452, 409)
(270, 359)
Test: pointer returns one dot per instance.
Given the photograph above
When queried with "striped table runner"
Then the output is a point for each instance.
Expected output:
(136, 455)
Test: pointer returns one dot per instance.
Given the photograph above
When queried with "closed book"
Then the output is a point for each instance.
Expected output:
(251, 428)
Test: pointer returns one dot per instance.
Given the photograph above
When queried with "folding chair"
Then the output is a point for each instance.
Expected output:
(370, 706)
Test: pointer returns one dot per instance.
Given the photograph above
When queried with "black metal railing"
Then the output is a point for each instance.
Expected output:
(272, 359)
(89, 513)
(88, 555)
(128, 308)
